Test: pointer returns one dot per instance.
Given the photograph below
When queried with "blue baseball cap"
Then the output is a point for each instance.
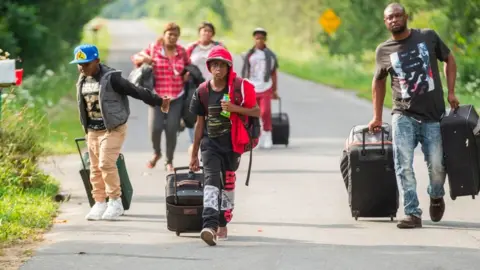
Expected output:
(84, 53)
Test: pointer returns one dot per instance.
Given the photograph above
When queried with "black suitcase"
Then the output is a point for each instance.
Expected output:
(369, 174)
(280, 126)
(184, 200)
(461, 150)
(125, 184)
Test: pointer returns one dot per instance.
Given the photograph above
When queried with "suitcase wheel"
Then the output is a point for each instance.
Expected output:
(473, 197)
(391, 218)
(177, 233)
(453, 198)
(356, 214)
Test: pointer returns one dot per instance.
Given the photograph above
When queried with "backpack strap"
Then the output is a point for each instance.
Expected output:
(185, 55)
(191, 48)
(203, 95)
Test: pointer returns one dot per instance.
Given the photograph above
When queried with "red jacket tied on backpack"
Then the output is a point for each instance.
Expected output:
(247, 99)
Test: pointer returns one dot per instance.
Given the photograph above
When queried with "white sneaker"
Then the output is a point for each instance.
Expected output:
(267, 140)
(114, 209)
(97, 211)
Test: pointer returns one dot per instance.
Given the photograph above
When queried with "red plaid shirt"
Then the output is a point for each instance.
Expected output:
(168, 81)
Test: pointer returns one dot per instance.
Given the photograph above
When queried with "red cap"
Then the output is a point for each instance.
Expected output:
(219, 53)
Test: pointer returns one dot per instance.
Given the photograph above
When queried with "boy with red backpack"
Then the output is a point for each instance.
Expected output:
(227, 126)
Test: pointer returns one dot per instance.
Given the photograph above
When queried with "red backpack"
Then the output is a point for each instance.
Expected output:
(251, 124)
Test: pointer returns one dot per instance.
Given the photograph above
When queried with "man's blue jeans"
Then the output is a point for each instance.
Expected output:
(407, 133)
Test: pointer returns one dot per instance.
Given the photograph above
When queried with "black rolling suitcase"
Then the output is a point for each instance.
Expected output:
(184, 200)
(368, 172)
(280, 126)
(125, 184)
(461, 150)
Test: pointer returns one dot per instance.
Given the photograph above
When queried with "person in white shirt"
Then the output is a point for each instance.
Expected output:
(260, 67)
(198, 52)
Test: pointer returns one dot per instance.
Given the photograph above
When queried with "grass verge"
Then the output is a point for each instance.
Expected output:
(38, 118)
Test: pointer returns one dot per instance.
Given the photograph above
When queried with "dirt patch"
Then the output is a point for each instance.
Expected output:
(14, 255)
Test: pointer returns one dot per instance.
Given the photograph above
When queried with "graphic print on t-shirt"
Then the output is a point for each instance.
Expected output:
(258, 66)
(258, 69)
(217, 125)
(412, 67)
(90, 92)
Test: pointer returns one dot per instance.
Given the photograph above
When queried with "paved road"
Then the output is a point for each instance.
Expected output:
(294, 215)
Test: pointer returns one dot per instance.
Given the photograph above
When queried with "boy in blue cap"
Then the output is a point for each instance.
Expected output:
(104, 110)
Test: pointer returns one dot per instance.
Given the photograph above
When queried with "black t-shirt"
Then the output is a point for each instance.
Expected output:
(217, 133)
(413, 67)
(90, 92)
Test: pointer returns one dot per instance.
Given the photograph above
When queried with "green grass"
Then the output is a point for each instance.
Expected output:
(26, 193)
(26, 212)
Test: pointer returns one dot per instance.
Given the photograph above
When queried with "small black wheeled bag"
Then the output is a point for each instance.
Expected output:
(280, 126)
(184, 200)
(368, 173)
(461, 144)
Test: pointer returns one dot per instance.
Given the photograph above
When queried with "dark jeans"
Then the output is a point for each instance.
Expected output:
(157, 125)
(219, 197)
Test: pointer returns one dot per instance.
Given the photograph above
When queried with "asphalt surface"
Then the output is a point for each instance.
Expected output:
(294, 214)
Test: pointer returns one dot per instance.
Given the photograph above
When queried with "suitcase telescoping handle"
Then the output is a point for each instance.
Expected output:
(77, 140)
(365, 130)
(280, 107)
(184, 168)
(175, 169)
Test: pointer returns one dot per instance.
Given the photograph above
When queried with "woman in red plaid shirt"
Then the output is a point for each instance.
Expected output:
(168, 59)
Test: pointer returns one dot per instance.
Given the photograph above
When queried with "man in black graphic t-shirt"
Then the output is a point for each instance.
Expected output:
(410, 58)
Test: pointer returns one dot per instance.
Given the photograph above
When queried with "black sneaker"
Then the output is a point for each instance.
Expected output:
(437, 208)
(410, 222)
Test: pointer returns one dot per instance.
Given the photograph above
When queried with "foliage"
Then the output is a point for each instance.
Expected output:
(26, 204)
(30, 29)
(293, 27)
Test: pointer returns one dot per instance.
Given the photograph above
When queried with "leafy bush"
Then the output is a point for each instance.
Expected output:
(468, 62)
(26, 193)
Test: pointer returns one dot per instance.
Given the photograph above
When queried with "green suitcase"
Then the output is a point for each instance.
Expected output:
(125, 184)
